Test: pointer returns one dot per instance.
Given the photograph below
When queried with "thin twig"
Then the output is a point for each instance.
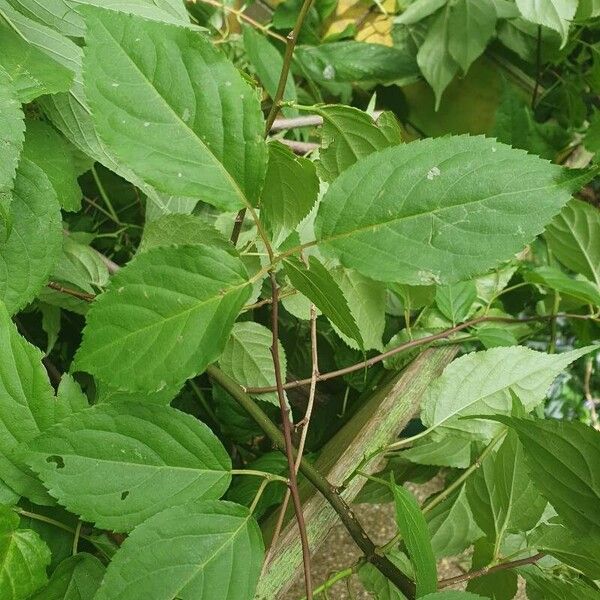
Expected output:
(76, 536)
(538, 67)
(287, 434)
(304, 423)
(382, 563)
(71, 292)
(299, 147)
(294, 122)
(491, 569)
(414, 344)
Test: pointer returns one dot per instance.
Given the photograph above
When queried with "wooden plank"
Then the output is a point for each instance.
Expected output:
(375, 425)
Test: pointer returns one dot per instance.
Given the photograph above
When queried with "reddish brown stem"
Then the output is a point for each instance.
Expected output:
(75, 293)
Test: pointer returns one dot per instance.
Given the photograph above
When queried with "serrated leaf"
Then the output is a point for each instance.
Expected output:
(247, 358)
(555, 14)
(347, 135)
(378, 584)
(76, 578)
(499, 585)
(451, 525)
(176, 139)
(49, 151)
(580, 550)
(290, 190)
(446, 202)
(564, 463)
(33, 245)
(413, 527)
(268, 62)
(471, 25)
(444, 451)
(418, 10)
(317, 284)
(207, 550)
(170, 308)
(455, 301)
(572, 238)
(107, 393)
(116, 464)
(182, 230)
(544, 586)
(481, 383)
(26, 407)
(555, 279)
(23, 559)
(501, 494)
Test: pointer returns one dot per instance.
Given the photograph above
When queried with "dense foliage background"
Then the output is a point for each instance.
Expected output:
(403, 232)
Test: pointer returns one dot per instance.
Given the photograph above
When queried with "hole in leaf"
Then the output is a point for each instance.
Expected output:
(57, 460)
(124, 494)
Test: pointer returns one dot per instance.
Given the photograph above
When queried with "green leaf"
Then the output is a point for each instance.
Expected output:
(69, 398)
(207, 550)
(555, 279)
(481, 383)
(116, 464)
(31, 71)
(268, 63)
(571, 237)
(564, 463)
(182, 230)
(33, 245)
(171, 309)
(499, 585)
(445, 451)
(247, 358)
(197, 129)
(54, 14)
(76, 578)
(446, 202)
(23, 559)
(11, 139)
(580, 550)
(367, 302)
(543, 586)
(455, 301)
(49, 151)
(27, 407)
(434, 58)
(349, 134)
(378, 584)
(452, 595)
(451, 525)
(471, 25)
(413, 527)
(317, 284)
(418, 10)
(290, 190)
(351, 61)
(502, 495)
(555, 14)
(107, 393)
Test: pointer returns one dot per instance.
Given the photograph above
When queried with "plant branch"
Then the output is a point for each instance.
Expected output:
(358, 534)
(75, 293)
(287, 435)
(490, 569)
(365, 364)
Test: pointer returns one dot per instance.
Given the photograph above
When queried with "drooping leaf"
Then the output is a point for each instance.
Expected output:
(76, 578)
(564, 463)
(502, 495)
(455, 300)
(366, 299)
(317, 284)
(116, 464)
(206, 550)
(446, 202)
(555, 279)
(23, 559)
(578, 550)
(268, 63)
(27, 407)
(247, 358)
(347, 135)
(481, 383)
(572, 238)
(290, 190)
(33, 244)
(444, 451)
(471, 24)
(544, 586)
(49, 151)
(499, 585)
(378, 584)
(419, 9)
(197, 128)
(413, 527)
(164, 317)
(555, 14)
(451, 525)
